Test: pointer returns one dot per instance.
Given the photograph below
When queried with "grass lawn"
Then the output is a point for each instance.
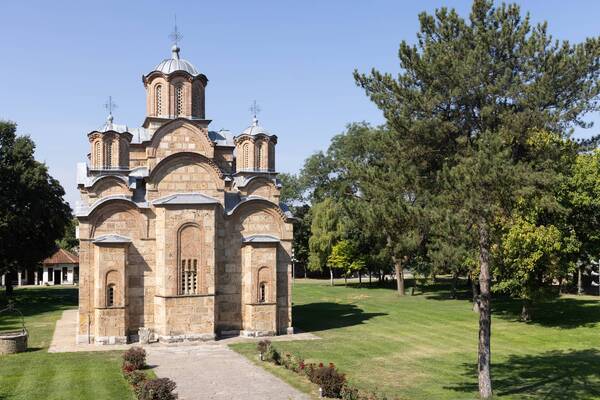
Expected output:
(38, 374)
(424, 346)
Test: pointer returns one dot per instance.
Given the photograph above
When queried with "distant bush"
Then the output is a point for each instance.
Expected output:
(292, 362)
(135, 356)
(263, 346)
(157, 389)
(273, 355)
(328, 378)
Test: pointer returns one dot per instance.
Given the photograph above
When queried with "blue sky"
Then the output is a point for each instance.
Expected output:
(60, 60)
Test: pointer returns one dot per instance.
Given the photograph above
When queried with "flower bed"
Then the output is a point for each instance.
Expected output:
(332, 383)
(134, 361)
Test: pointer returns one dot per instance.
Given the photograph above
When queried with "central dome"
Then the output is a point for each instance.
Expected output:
(170, 65)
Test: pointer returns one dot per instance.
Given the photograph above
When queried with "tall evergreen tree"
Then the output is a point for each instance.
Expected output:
(469, 96)
(33, 214)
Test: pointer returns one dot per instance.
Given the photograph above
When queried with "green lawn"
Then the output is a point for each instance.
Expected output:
(424, 346)
(38, 374)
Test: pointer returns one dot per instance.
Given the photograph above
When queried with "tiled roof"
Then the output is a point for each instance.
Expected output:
(61, 256)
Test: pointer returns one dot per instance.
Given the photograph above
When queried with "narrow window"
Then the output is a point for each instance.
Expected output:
(108, 154)
(245, 156)
(97, 154)
(110, 296)
(259, 156)
(189, 276)
(158, 100)
(178, 100)
(262, 292)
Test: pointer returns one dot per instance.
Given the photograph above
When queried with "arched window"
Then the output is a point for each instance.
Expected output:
(178, 100)
(189, 276)
(271, 157)
(110, 295)
(262, 292)
(259, 155)
(245, 156)
(190, 242)
(97, 154)
(108, 153)
(158, 100)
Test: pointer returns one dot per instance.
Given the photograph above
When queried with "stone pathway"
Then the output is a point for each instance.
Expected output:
(209, 370)
(216, 372)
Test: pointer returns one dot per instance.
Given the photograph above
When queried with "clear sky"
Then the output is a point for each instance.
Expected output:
(60, 60)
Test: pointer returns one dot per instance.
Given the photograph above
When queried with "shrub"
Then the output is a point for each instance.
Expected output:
(293, 362)
(136, 356)
(127, 368)
(349, 392)
(329, 379)
(263, 346)
(157, 389)
(273, 355)
(136, 378)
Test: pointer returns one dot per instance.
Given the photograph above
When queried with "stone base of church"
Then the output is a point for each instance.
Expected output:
(107, 340)
(192, 337)
(257, 333)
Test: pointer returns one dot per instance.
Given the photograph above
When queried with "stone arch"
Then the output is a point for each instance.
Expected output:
(264, 285)
(261, 186)
(259, 216)
(109, 185)
(185, 173)
(180, 135)
(116, 216)
(112, 280)
(190, 261)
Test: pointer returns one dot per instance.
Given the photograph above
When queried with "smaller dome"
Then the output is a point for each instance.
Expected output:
(175, 63)
(255, 129)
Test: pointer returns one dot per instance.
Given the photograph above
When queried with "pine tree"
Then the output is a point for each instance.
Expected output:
(469, 96)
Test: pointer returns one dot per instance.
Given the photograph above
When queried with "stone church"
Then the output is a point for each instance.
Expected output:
(182, 236)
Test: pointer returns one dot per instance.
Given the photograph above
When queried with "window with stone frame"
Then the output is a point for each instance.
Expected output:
(158, 100)
(189, 276)
(97, 154)
(190, 239)
(259, 155)
(108, 153)
(245, 156)
(178, 100)
(271, 156)
(110, 295)
(262, 292)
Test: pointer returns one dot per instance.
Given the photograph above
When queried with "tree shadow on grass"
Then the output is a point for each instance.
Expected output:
(552, 375)
(322, 316)
(34, 301)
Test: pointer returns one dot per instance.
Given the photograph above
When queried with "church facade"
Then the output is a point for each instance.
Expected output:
(182, 236)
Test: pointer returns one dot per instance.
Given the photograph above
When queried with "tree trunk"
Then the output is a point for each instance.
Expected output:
(579, 283)
(485, 316)
(331, 275)
(526, 311)
(454, 282)
(475, 288)
(345, 279)
(8, 287)
(399, 276)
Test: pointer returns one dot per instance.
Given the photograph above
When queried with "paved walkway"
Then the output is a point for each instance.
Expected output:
(201, 371)
(216, 372)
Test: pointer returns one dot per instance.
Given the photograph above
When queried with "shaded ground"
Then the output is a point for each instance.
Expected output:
(424, 346)
(38, 374)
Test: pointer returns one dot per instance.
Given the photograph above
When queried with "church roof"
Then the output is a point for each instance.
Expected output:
(173, 64)
(185, 198)
(255, 129)
(260, 239)
(112, 238)
(61, 256)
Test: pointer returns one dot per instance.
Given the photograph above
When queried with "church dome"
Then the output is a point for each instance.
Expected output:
(255, 129)
(173, 64)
